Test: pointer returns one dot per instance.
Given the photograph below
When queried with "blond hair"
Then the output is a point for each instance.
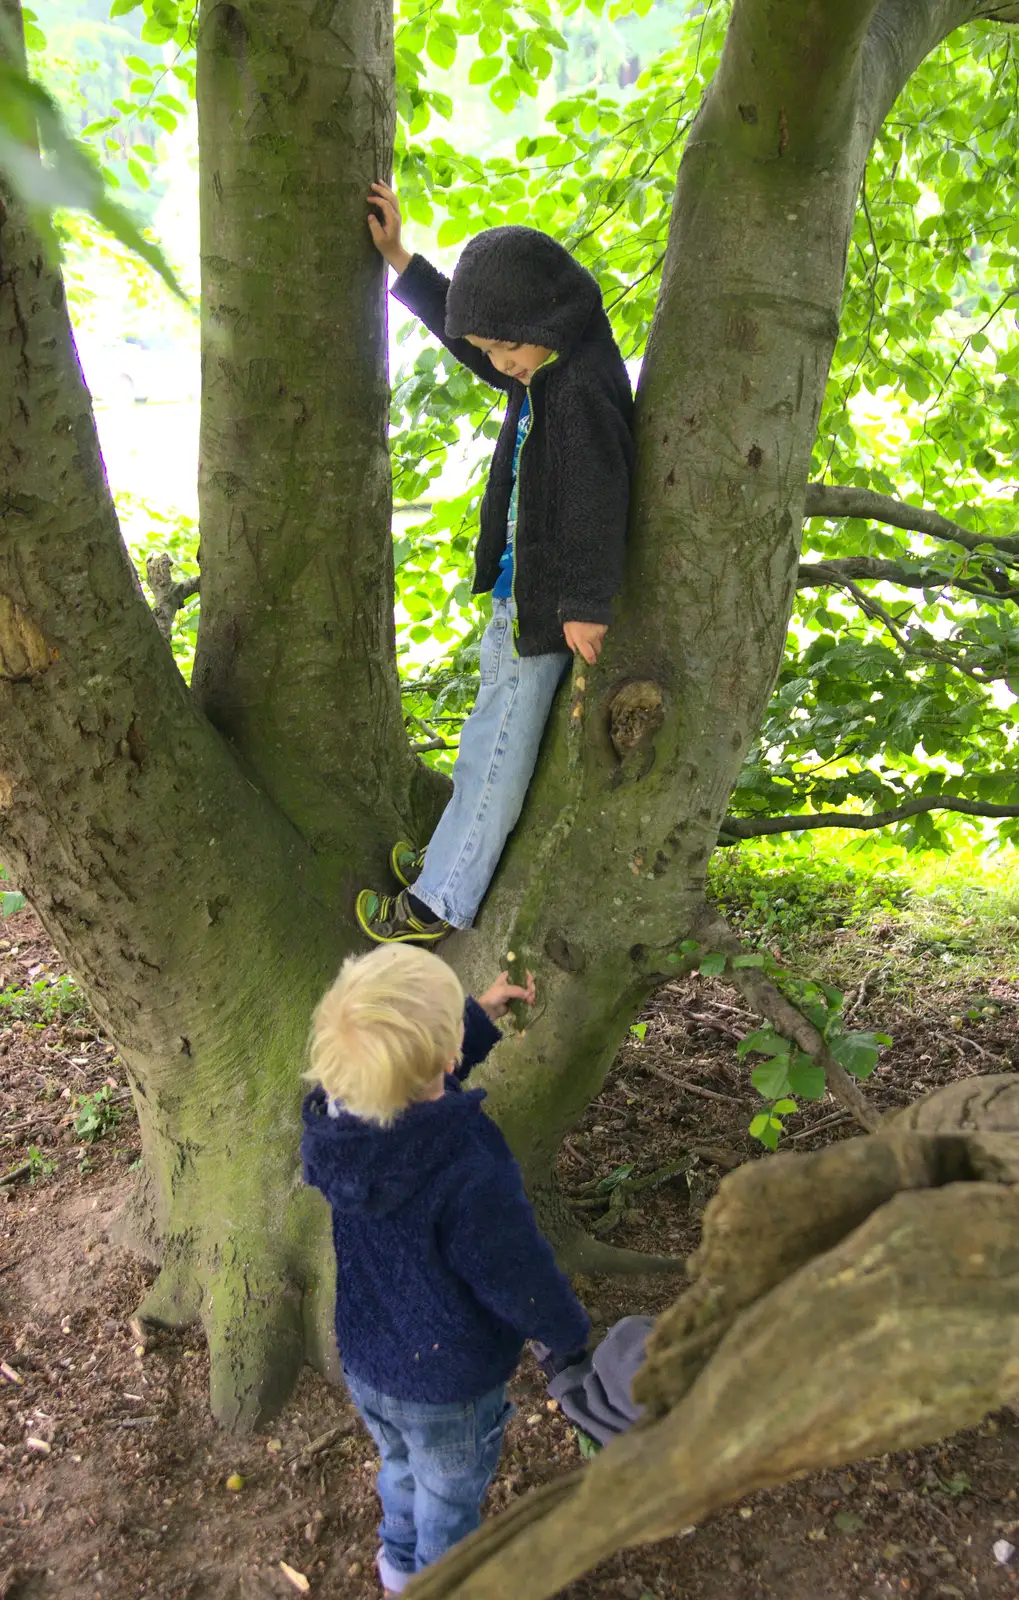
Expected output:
(385, 1030)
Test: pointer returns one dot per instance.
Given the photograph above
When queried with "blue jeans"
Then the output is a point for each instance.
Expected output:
(437, 1463)
(498, 751)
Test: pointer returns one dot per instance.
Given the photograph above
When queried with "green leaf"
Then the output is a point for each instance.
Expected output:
(713, 965)
(771, 1078)
(613, 1179)
(452, 231)
(484, 70)
(68, 179)
(764, 1040)
(441, 45)
(749, 961)
(10, 902)
(767, 1129)
(857, 1052)
(504, 94)
(806, 1080)
(638, 1029)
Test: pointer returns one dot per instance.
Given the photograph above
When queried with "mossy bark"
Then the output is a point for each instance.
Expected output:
(191, 876)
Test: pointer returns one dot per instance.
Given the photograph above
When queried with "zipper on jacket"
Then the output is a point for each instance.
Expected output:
(516, 541)
(516, 529)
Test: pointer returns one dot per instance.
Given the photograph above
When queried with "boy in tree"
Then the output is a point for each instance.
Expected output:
(441, 1271)
(522, 314)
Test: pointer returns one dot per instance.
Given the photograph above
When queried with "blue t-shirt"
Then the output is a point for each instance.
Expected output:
(503, 588)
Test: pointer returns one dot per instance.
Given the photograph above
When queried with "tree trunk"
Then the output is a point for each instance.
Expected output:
(198, 907)
(194, 869)
(296, 659)
(730, 394)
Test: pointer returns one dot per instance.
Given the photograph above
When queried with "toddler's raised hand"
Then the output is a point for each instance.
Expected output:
(385, 224)
(495, 1000)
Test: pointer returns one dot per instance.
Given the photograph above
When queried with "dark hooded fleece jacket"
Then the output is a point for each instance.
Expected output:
(575, 467)
(441, 1270)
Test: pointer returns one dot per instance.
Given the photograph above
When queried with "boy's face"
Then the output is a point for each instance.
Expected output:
(520, 361)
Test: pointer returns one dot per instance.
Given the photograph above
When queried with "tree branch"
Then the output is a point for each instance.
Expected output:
(838, 573)
(832, 500)
(769, 1002)
(169, 595)
(761, 76)
(736, 828)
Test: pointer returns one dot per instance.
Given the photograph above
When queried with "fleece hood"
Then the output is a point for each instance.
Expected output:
(362, 1168)
(517, 284)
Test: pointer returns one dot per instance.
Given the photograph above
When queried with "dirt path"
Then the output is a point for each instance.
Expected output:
(113, 1482)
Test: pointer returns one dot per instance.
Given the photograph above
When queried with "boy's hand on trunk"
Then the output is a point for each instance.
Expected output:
(385, 224)
(585, 639)
(495, 1001)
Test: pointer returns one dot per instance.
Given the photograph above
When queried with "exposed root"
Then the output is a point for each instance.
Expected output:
(174, 1300)
(579, 1252)
(900, 1317)
(465, 1558)
(318, 1310)
(255, 1329)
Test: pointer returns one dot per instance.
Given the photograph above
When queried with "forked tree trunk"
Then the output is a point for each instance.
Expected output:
(730, 394)
(197, 880)
(196, 870)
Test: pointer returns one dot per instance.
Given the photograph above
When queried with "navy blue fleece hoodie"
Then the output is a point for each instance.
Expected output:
(442, 1272)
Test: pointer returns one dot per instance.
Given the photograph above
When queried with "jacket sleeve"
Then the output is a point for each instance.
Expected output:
(594, 453)
(496, 1247)
(311, 1167)
(422, 289)
(480, 1037)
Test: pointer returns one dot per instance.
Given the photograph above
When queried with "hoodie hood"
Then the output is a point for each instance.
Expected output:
(361, 1167)
(517, 284)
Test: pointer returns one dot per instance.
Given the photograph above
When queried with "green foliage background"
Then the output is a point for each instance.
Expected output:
(572, 117)
(579, 114)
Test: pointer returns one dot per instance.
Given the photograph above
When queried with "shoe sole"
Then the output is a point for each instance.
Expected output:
(410, 937)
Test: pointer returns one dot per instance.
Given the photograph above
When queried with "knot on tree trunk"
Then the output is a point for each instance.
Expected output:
(24, 653)
(636, 712)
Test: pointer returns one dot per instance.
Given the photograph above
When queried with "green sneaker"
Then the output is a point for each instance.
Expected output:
(406, 861)
(388, 919)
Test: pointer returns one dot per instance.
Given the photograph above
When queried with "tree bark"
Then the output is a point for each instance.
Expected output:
(862, 1300)
(191, 904)
(296, 660)
(730, 394)
(191, 874)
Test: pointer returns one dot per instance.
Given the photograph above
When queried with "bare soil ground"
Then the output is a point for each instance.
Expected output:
(113, 1479)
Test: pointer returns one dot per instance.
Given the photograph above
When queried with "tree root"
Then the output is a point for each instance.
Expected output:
(173, 1301)
(579, 1252)
(883, 1272)
(255, 1330)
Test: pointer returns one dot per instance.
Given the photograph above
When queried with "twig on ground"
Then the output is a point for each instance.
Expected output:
(325, 1441)
(691, 1088)
(860, 994)
(825, 1122)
